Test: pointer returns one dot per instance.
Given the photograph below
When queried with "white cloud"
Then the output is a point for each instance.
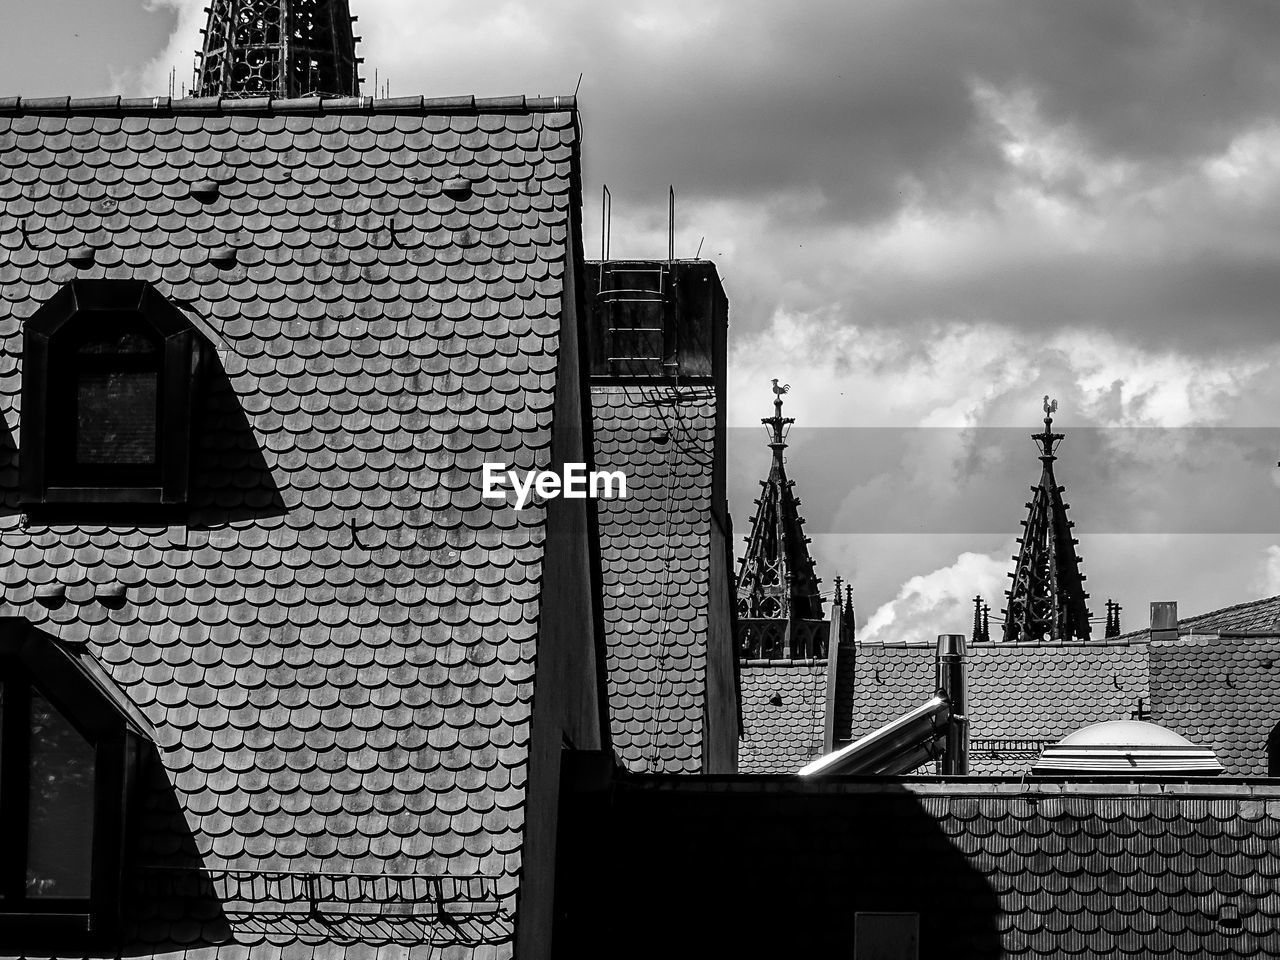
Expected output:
(937, 602)
(1268, 580)
(178, 57)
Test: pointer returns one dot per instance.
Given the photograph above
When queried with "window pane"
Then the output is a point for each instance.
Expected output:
(60, 837)
(116, 417)
(113, 339)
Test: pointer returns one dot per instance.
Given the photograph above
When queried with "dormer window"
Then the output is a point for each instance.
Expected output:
(108, 382)
(70, 742)
(108, 410)
(50, 865)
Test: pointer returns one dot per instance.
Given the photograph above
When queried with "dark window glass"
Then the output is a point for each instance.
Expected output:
(60, 816)
(886, 936)
(105, 392)
(116, 420)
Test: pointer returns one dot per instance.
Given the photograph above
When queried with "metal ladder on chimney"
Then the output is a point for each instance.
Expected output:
(636, 299)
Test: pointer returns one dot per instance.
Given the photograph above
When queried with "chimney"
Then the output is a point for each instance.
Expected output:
(1164, 619)
(951, 684)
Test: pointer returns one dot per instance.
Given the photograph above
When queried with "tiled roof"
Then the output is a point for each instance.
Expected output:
(1261, 614)
(1038, 691)
(655, 557)
(783, 707)
(1018, 869)
(336, 654)
(1258, 615)
(1220, 693)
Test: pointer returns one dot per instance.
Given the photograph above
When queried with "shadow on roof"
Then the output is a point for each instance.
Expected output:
(688, 870)
(9, 472)
(230, 478)
(172, 903)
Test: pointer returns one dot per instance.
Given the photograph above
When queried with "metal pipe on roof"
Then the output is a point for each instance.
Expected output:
(951, 685)
(892, 742)
(903, 763)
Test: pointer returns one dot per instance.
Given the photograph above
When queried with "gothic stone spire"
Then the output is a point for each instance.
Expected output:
(1047, 601)
(776, 579)
(278, 48)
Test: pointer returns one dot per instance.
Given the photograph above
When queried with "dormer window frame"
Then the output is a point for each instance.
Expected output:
(35, 663)
(43, 471)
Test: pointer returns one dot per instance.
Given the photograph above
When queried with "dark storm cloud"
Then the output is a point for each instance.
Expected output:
(1171, 302)
(1119, 481)
(852, 98)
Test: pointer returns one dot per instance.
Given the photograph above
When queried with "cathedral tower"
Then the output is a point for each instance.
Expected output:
(779, 605)
(278, 48)
(1047, 600)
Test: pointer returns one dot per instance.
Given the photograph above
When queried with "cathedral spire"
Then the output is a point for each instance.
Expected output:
(278, 48)
(1047, 601)
(776, 580)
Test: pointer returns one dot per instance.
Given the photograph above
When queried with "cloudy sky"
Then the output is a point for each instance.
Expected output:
(928, 215)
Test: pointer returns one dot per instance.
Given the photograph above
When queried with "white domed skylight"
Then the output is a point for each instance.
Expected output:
(1127, 747)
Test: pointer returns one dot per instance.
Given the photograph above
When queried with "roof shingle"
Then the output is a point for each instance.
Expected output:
(337, 652)
(1035, 691)
(1219, 693)
(656, 568)
(783, 710)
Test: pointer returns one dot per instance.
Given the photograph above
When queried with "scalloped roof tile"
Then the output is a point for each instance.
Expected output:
(1217, 691)
(783, 714)
(655, 559)
(342, 607)
(1016, 691)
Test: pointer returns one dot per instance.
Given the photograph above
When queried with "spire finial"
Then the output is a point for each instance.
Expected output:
(1048, 440)
(778, 423)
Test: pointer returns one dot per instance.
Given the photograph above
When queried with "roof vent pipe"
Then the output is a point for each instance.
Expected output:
(951, 685)
(1164, 619)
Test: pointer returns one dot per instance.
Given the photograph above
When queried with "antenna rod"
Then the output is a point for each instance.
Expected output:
(671, 222)
(606, 220)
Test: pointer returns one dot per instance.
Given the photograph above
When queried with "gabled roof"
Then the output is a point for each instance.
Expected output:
(655, 555)
(783, 709)
(1016, 692)
(1253, 615)
(337, 653)
(1258, 615)
(1218, 691)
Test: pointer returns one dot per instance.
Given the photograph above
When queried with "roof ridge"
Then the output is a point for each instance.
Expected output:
(287, 105)
(1228, 609)
(797, 663)
(1189, 621)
